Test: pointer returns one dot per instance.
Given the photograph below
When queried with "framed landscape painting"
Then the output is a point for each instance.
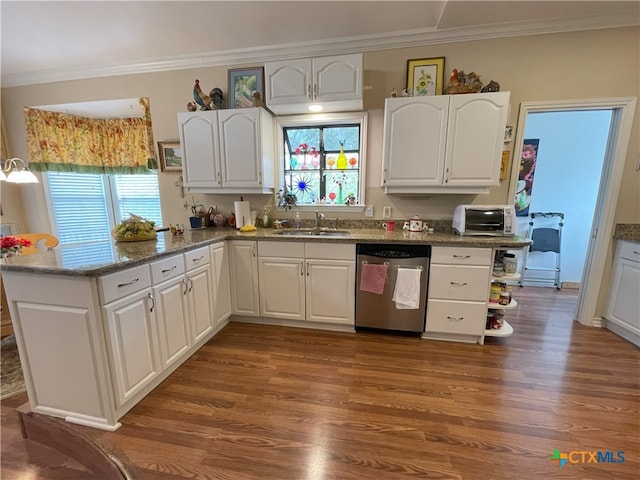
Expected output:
(170, 156)
(243, 83)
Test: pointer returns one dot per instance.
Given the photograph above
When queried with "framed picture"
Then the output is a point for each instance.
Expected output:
(7, 229)
(243, 83)
(508, 133)
(425, 76)
(170, 156)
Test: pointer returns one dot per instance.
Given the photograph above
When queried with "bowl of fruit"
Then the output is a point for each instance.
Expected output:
(134, 229)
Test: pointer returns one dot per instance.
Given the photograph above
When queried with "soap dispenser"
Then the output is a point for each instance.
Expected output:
(298, 221)
(265, 218)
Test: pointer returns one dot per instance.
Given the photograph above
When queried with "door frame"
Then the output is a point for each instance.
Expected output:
(602, 227)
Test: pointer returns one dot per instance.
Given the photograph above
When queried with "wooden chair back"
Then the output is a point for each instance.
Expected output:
(40, 242)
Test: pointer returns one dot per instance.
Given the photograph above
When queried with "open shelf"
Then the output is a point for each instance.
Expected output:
(504, 331)
(511, 277)
(497, 306)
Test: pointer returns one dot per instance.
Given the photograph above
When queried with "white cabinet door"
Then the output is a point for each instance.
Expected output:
(199, 139)
(624, 302)
(281, 287)
(330, 291)
(228, 151)
(134, 344)
(444, 143)
(415, 135)
(475, 139)
(287, 82)
(333, 81)
(240, 150)
(244, 278)
(220, 281)
(337, 78)
(200, 300)
(174, 334)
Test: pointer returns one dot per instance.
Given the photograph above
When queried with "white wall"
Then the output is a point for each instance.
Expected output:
(567, 177)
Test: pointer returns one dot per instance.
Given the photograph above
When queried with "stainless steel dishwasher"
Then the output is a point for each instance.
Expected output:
(378, 310)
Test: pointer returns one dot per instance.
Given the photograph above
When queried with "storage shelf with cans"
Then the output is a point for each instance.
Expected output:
(504, 273)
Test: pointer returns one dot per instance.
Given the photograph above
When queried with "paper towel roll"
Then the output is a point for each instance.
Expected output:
(243, 214)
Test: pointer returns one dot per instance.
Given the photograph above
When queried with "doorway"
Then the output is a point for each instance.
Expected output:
(601, 224)
(569, 150)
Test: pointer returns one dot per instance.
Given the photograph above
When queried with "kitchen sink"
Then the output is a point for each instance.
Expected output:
(314, 233)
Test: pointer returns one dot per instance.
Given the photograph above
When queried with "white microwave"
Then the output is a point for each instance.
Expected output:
(493, 220)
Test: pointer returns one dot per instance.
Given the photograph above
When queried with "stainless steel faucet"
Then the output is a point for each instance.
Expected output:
(319, 218)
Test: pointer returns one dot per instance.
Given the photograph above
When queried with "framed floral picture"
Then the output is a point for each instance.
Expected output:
(170, 156)
(425, 76)
(243, 83)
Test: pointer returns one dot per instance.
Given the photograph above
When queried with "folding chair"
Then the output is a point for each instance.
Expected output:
(546, 238)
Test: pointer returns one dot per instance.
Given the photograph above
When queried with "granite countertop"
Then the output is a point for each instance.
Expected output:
(99, 258)
(627, 231)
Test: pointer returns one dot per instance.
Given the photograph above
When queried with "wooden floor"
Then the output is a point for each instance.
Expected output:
(265, 402)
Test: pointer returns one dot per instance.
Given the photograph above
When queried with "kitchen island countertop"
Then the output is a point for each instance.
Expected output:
(111, 256)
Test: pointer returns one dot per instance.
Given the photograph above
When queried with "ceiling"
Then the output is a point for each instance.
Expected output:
(45, 41)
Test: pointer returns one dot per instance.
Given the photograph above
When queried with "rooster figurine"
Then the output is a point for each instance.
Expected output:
(201, 99)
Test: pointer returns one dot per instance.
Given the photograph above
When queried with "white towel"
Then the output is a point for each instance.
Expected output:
(407, 290)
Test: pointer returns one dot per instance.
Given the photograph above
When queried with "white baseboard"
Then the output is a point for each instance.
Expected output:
(570, 285)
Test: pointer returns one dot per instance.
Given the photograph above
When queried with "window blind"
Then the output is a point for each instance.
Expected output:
(86, 207)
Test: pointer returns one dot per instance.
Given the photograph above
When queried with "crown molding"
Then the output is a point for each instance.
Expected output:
(401, 39)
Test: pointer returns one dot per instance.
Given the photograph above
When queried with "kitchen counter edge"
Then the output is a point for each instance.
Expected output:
(135, 253)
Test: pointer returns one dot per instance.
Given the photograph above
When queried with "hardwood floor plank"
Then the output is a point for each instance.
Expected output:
(270, 402)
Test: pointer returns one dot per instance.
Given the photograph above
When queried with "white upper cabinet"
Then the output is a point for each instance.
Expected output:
(335, 82)
(228, 151)
(443, 144)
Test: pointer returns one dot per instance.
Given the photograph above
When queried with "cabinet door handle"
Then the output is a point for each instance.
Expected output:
(153, 302)
(120, 285)
(190, 280)
(315, 90)
(253, 250)
(455, 319)
(461, 256)
(458, 284)
(167, 270)
(446, 176)
(308, 270)
(198, 260)
(301, 268)
(186, 287)
(637, 253)
(219, 179)
(309, 91)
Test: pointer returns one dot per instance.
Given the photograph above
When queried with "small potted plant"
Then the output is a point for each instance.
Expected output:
(195, 220)
(286, 200)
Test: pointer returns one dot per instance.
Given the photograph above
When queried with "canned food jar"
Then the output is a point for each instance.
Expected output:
(510, 263)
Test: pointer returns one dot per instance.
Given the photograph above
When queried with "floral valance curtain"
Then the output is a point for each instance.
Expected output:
(69, 143)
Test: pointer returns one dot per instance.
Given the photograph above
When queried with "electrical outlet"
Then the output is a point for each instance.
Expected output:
(368, 212)
(386, 212)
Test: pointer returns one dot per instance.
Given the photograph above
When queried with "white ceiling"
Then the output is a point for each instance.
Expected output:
(65, 40)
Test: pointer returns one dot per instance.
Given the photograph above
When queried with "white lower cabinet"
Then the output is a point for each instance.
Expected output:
(307, 281)
(623, 307)
(458, 290)
(243, 272)
(219, 253)
(134, 343)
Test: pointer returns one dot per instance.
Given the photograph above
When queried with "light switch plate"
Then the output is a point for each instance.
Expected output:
(368, 212)
(386, 212)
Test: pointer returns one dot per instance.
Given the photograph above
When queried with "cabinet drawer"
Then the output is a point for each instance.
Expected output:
(461, 255)
(450, 282)
(167, 268)
(281, 249)
(330, 251)
(456, 317)
(125, 282)
(196, 258)
(629, 250)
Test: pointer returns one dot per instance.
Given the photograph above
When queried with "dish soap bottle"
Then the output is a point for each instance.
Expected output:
(298, 221)
(265, 218)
